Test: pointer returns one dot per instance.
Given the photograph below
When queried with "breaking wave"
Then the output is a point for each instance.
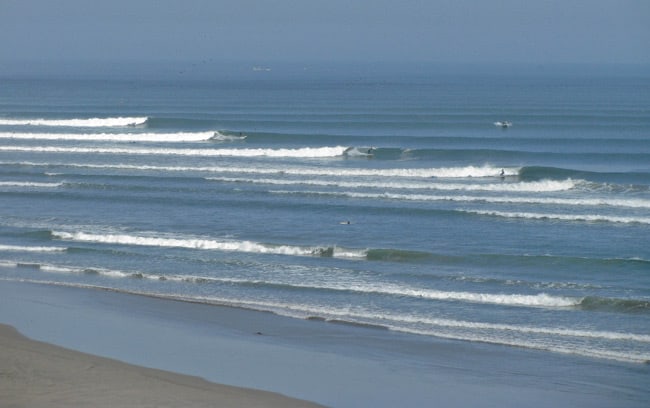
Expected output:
(467, 172)
(29, 184)
(538, 186)
(119, 137)
(85, 122)
(629, 203)
(305, 152)
(564, 217)
(212, 244)
(19, 248)
(376, 288)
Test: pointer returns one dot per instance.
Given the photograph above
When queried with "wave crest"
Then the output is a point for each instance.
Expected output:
(117, 137)
(81, 122)
(304, 152)
(564, 217)
(212, 244)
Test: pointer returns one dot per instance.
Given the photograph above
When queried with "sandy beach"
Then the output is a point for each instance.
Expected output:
(36, 374)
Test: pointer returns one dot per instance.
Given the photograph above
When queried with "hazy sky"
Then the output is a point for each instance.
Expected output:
(448, 31)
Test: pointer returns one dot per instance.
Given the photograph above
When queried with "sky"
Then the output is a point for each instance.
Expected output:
(376, 31)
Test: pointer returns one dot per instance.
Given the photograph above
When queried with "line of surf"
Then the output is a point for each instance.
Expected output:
(29, 184)
(118, 137)
(385, 289)
(21, 248)
(564, 217)
(595, 202)
(77, 122)
(442, 172)
(534, 186)
(305, 152)
(410, 319)
(210, 244)
(361, 317)
(535, 300)
(365, 318)
(593, 334)
(590, 350)
(396, 320)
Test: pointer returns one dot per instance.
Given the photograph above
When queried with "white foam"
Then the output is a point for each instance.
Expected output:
(220, 137)
(28, 184)
(630, 203)
(564, 217)
(96, 271)
(116, 137)
(191, 243)
(87, 122)
(400, 320)
(20, 248)
(541, 186)
(461, 172)
(469, 331)
(305, 152)
(547, 345)
(558, 340)
(595, 334)
(350, 253)
(536, 300)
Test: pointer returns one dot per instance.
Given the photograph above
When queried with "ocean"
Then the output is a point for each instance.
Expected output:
(396, 201)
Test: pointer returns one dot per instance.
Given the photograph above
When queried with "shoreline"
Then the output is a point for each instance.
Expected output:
(39, 374)
(336, 365)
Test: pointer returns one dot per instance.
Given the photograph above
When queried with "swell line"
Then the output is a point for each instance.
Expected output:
(211, 244)
(19, 248)
(29, 184)
(435, 172)
(595, 202)
(564, 217)
(382, 289)
(469, 331)
(79, 122)
(305, 152)
(532, 186)
(118, 137)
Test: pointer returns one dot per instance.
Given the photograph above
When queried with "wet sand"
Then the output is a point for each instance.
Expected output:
(35, 374)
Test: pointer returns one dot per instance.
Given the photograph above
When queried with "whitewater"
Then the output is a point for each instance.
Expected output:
(393, 208)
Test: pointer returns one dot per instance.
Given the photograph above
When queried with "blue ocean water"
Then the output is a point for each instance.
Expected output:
(394, 201)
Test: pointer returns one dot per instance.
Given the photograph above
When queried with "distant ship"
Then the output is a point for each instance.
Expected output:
(503, 124)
